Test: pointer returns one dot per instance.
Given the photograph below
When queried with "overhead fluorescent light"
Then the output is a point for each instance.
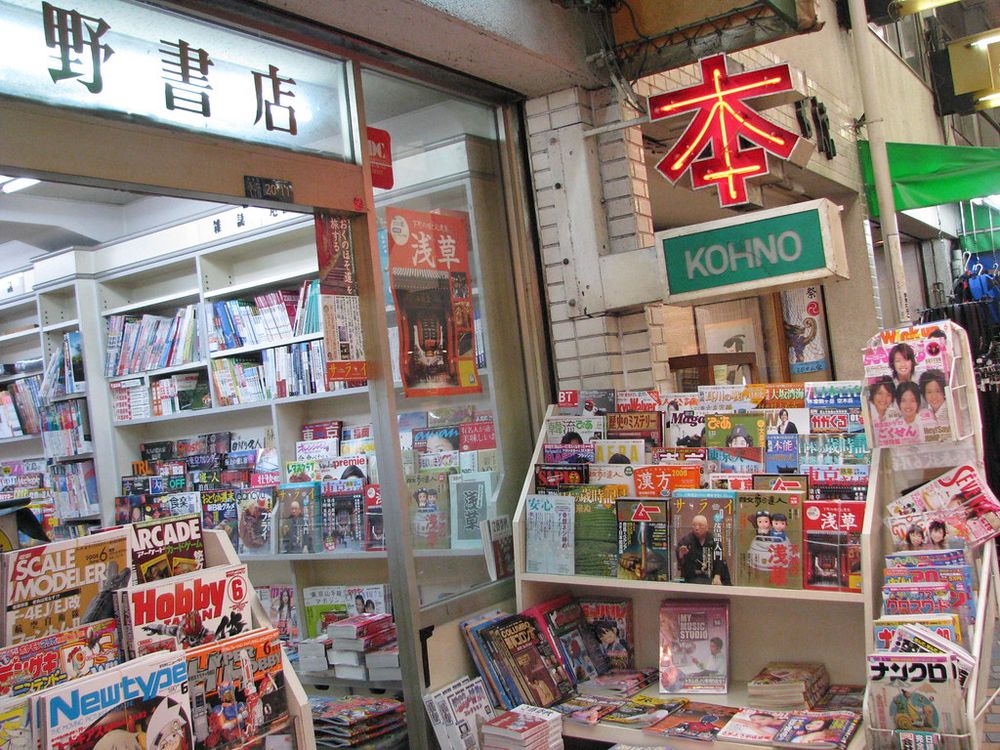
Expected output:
(986, 41)
(18, 183)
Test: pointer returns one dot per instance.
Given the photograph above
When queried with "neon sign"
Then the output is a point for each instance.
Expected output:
(722, 120)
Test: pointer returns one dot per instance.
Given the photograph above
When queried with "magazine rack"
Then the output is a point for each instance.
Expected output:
(219, 551)
(893, 471)
(765, 625)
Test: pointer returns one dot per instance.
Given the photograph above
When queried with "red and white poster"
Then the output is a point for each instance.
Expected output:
(432, 291)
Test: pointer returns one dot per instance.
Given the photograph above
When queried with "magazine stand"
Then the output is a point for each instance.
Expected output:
(219, 551)
(896, 470)
(765, 624)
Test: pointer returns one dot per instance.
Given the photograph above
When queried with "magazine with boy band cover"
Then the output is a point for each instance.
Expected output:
(51, 587)
(165, 547)
(184, 611)
(237, 689)
(145, 698)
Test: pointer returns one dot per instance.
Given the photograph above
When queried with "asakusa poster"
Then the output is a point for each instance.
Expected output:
(432, 290)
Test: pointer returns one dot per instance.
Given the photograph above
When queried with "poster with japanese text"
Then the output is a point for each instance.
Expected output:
(432, 291)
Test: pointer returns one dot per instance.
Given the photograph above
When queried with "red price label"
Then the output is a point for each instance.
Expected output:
(569, 398)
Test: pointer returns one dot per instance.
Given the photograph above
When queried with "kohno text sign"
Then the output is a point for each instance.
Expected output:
(766, 250)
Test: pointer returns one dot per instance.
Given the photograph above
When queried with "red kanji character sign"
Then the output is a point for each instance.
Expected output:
(722, 118)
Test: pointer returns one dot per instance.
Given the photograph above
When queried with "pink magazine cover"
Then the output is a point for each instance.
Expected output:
(694, 647)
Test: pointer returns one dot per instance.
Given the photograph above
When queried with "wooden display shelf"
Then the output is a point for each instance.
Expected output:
(736, 697)
(696, 590)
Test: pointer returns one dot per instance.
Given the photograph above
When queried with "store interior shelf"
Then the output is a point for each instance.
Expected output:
(361, 555)
(68, 397)
(179, 298)
(18, 335)
(328, 678)
(62, 325)
(73, 458)
(18, 376)
(694, 589)
(250, 348)
(186, 367)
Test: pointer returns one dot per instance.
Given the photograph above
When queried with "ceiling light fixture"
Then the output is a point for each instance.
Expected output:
(986, 41)
(12, 185)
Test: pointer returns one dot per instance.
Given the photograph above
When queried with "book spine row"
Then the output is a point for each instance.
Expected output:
(20, 407)
(267, 318)
(151, 342)
(282, 372)
(65, 430)
(74, 489)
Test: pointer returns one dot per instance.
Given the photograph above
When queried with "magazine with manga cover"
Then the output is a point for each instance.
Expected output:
(694, 646)
(731, 430)
(695, 721)
(51, 587)
(562, 621)
(256, 520)
(611, 621)
(32, 666)
(908, 392)
(165, 547)
(526, 661)
(237, 689)
(769, 536)
(184, 611)
(915, 691)
(146, 697)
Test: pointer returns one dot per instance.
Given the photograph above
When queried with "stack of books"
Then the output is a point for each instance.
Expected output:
(788, 685)
(351, 641)
(524, 727)
(356, 720)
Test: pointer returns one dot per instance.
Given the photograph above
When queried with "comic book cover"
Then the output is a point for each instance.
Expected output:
(285, 617)
(51, 587)
(611, 621)
(832, 531)
(694, 646)
(526, 660)
(471, 502)
(32, 666)
(341, 521)
(914, 691)
(702, 535)
(296, 531)
(256, 520)
(429, 501)
(219, 510)
(184, 611)
(643, 540)
(562, 622)
(568, 430)
(165, 547)
(781, 454)
(142, 703)
(644, 710)
(660, 480)
(694, 721)
(769, 535)
(237, 689)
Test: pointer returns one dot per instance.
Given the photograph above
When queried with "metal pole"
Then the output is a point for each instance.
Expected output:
(880, 159)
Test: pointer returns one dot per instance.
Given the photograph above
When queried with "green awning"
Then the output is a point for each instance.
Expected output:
(924, 175)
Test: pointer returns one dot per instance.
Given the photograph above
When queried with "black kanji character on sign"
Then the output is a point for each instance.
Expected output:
(72, 33)
(185, 77)
(269, 107)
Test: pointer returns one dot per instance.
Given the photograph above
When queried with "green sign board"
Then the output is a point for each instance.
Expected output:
(780, 248)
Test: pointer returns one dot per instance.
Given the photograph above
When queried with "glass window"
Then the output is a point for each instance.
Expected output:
(445, 266)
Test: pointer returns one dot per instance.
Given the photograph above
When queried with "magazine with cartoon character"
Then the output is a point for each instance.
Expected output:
(611, 621)
(184, 611)
(915, 691)
(769, 535)
(143, 703)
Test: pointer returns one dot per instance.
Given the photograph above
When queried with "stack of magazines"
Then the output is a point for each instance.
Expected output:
(356, 720)
(524, 727)
(788, 686)
(818, 729)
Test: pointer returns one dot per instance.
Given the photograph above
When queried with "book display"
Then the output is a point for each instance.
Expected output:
(763, 534)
